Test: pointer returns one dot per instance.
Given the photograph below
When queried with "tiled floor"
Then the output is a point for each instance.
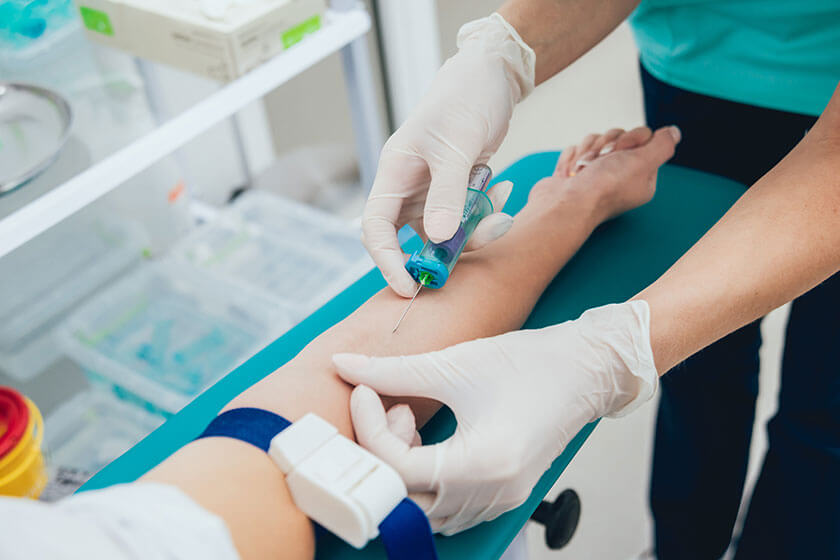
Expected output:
(610, 473)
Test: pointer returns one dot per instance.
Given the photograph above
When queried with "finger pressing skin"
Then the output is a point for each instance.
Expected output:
(402, 424)
(416, 465)
(661, 145)
(408, 376)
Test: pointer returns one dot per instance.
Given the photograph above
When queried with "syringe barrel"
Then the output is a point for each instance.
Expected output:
(437, 260)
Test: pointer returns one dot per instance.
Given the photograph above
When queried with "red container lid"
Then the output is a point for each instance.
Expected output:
(14, 417)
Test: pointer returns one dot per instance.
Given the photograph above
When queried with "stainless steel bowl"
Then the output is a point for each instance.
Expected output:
(34, 125)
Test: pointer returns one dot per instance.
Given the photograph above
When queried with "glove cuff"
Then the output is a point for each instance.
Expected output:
(493, 34)
(638, 356)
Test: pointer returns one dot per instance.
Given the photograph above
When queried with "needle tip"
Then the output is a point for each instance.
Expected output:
(407, 307)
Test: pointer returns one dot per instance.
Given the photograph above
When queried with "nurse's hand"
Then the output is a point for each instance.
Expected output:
(519, 398)
(462, 119)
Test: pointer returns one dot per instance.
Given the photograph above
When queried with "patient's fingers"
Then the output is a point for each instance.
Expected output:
(586, 144)
(574, 158)
(633, 138)
(581, 153)
(603, 145)
(660, 147)
(564, 162)
(416, 465)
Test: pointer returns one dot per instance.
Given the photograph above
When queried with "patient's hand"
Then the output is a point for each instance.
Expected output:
(617, 169)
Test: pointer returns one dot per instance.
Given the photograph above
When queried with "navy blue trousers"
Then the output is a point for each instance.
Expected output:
(707, 406)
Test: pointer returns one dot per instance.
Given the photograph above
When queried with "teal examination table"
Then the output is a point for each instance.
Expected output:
(621, 258)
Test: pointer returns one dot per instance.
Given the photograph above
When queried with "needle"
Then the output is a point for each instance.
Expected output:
(407, 307)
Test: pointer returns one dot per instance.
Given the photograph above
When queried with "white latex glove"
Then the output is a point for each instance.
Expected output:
(518, 398)
(462, 119)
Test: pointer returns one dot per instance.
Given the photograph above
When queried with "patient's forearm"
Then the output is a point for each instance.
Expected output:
(491, 292)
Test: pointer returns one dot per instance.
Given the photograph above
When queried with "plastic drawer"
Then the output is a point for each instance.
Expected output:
(164, 333)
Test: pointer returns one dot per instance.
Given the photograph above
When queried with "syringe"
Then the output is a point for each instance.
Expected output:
(432, 265)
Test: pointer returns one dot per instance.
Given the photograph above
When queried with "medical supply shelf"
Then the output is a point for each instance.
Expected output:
(169, 329)
(303, 224)
(290, 253)
(342, 29)
(165, 332)
(620, 258)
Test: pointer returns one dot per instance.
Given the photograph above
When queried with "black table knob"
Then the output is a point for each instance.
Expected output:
(560, 518)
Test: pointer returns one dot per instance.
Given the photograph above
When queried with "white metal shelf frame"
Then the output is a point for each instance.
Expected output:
(342, 30)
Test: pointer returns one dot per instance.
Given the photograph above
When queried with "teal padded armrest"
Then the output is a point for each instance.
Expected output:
(620, 258)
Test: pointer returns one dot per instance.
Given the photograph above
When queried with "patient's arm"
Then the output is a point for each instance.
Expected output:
(492, 291)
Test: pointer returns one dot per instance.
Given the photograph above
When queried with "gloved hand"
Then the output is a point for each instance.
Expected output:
(461, 121)
(518, 398)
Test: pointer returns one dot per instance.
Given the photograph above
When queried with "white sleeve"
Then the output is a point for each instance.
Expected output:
(140, 521)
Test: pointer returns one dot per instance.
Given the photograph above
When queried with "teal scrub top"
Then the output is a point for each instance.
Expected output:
(777, 54)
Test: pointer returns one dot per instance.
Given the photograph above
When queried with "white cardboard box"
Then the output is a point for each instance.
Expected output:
(178, 33)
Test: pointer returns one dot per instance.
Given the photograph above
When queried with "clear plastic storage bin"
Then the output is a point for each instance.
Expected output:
(30, 29)
(86, 433)
(300, 224)
(293, 254)
(164, 333)
(48, 276)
